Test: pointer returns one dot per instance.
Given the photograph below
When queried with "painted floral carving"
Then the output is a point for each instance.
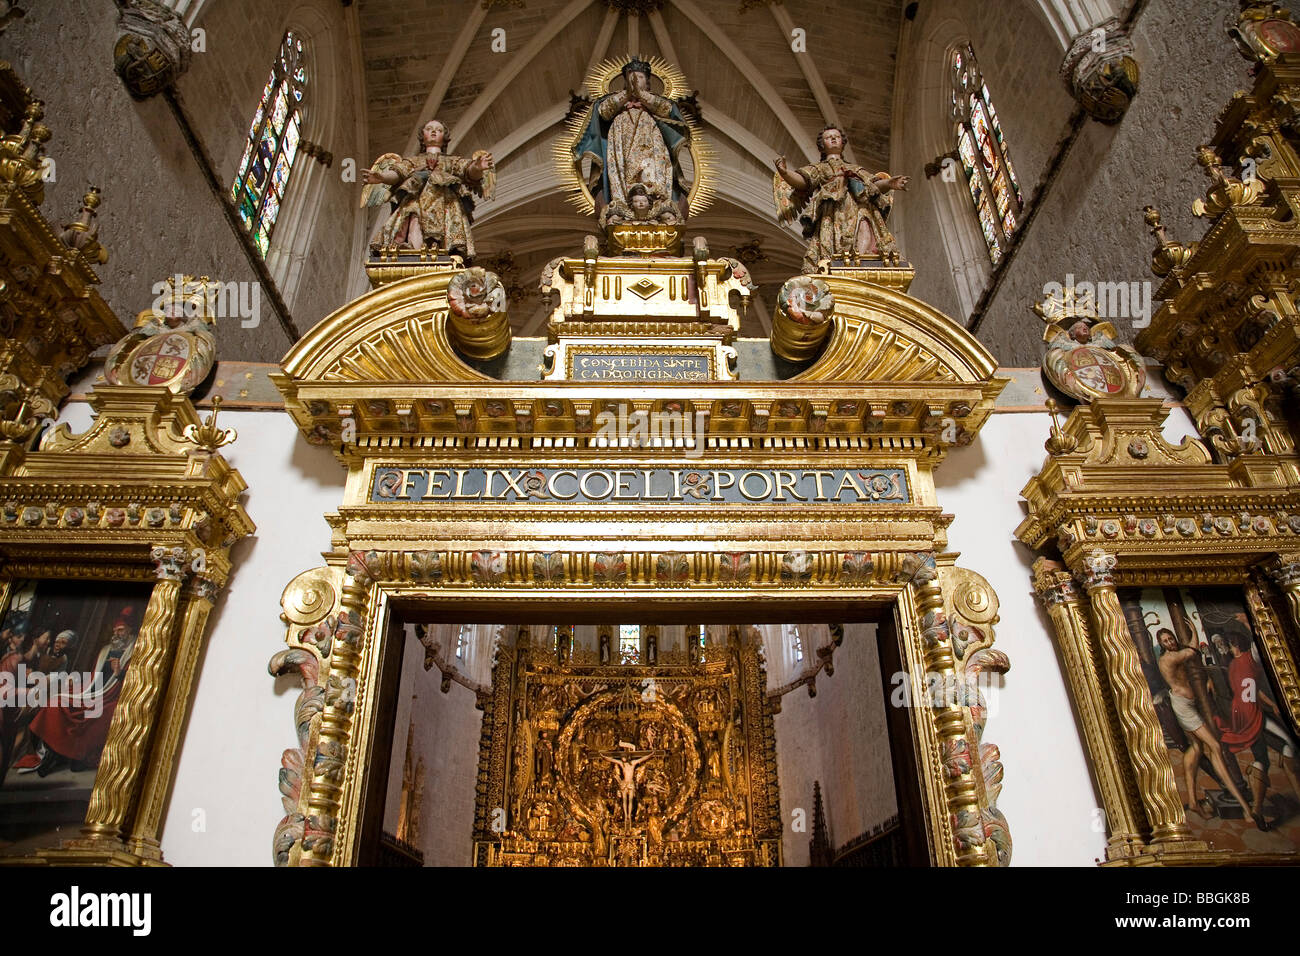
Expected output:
(735, 566)
(856, 567)
(806, 300)
(366, 566)
(476, 295)
(697, 485)
(293, 828)
(672, 569)
(796, 567)
(609, 568)
(488, 567)
(548, 567)
(424, 565)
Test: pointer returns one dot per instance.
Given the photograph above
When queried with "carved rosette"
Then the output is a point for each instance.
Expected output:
(476, 305)
(804, 309)
(1101, 71)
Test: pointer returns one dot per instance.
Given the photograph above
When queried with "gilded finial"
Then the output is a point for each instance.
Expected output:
(208, 436)
(1058, 442)
(22, 154)
(1168, 256)
(83, 233)
(1225, 190)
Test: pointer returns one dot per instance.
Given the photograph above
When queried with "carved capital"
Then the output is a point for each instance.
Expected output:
(1096, 570)
(203, 589)
(170, 564)
(1286, 571)
(1054, 584)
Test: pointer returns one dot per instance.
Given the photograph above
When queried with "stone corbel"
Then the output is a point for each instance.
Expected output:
(152, 49)
(1101, 71)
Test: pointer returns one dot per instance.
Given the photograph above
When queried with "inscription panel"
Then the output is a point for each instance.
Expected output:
(649, 486)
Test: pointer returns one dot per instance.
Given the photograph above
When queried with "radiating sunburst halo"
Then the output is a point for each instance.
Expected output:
(599, 82)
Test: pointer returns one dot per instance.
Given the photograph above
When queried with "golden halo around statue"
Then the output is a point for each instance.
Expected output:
(598, 83)
(600, 80)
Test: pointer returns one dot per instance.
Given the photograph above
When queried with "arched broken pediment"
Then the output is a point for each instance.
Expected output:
(395, 333)
(880, 335)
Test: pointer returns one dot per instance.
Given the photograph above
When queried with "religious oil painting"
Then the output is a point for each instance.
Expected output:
(65, 649)
(1231, 744)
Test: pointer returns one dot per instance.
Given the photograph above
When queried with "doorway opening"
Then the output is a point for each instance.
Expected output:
(652, 739)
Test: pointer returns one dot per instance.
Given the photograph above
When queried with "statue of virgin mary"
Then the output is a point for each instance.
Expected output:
(633, 137)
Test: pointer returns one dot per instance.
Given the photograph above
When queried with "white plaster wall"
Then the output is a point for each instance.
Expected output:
(446, 736)
(840, 738)
(1047, 795)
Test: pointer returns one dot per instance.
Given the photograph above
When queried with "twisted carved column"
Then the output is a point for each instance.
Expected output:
(1133, 700)
(1124, 818)
(124, 751)
(200, 596)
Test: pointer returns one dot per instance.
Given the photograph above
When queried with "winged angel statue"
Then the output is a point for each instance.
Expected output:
(431, 194)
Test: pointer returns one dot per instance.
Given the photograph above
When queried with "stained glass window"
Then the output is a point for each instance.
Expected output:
(629, 643)
(985, 157)
(272, 145)
(798, 643)
(462, 640)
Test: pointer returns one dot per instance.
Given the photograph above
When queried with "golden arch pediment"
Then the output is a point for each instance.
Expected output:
(885, 336)
(395, 333)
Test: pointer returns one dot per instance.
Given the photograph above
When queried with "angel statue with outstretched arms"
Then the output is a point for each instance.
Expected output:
(432, 195)
(841, 206)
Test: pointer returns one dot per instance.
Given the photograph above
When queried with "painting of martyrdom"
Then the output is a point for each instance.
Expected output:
(1231, 745)
(65, 650)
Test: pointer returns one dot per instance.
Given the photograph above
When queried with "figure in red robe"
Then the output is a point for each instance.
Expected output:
(74, 729)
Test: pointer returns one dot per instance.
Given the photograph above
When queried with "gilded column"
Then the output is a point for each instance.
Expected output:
(323, 843)
(1124, 817)
(124, 751)
(1137, 712)
(200, 595)
(961, 789)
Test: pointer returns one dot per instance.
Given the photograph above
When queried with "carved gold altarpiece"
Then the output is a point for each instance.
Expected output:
(812, 497)
(697, 736)
(1125, 508)
(142, 496)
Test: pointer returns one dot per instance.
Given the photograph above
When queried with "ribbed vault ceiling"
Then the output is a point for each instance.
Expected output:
(759, 99)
